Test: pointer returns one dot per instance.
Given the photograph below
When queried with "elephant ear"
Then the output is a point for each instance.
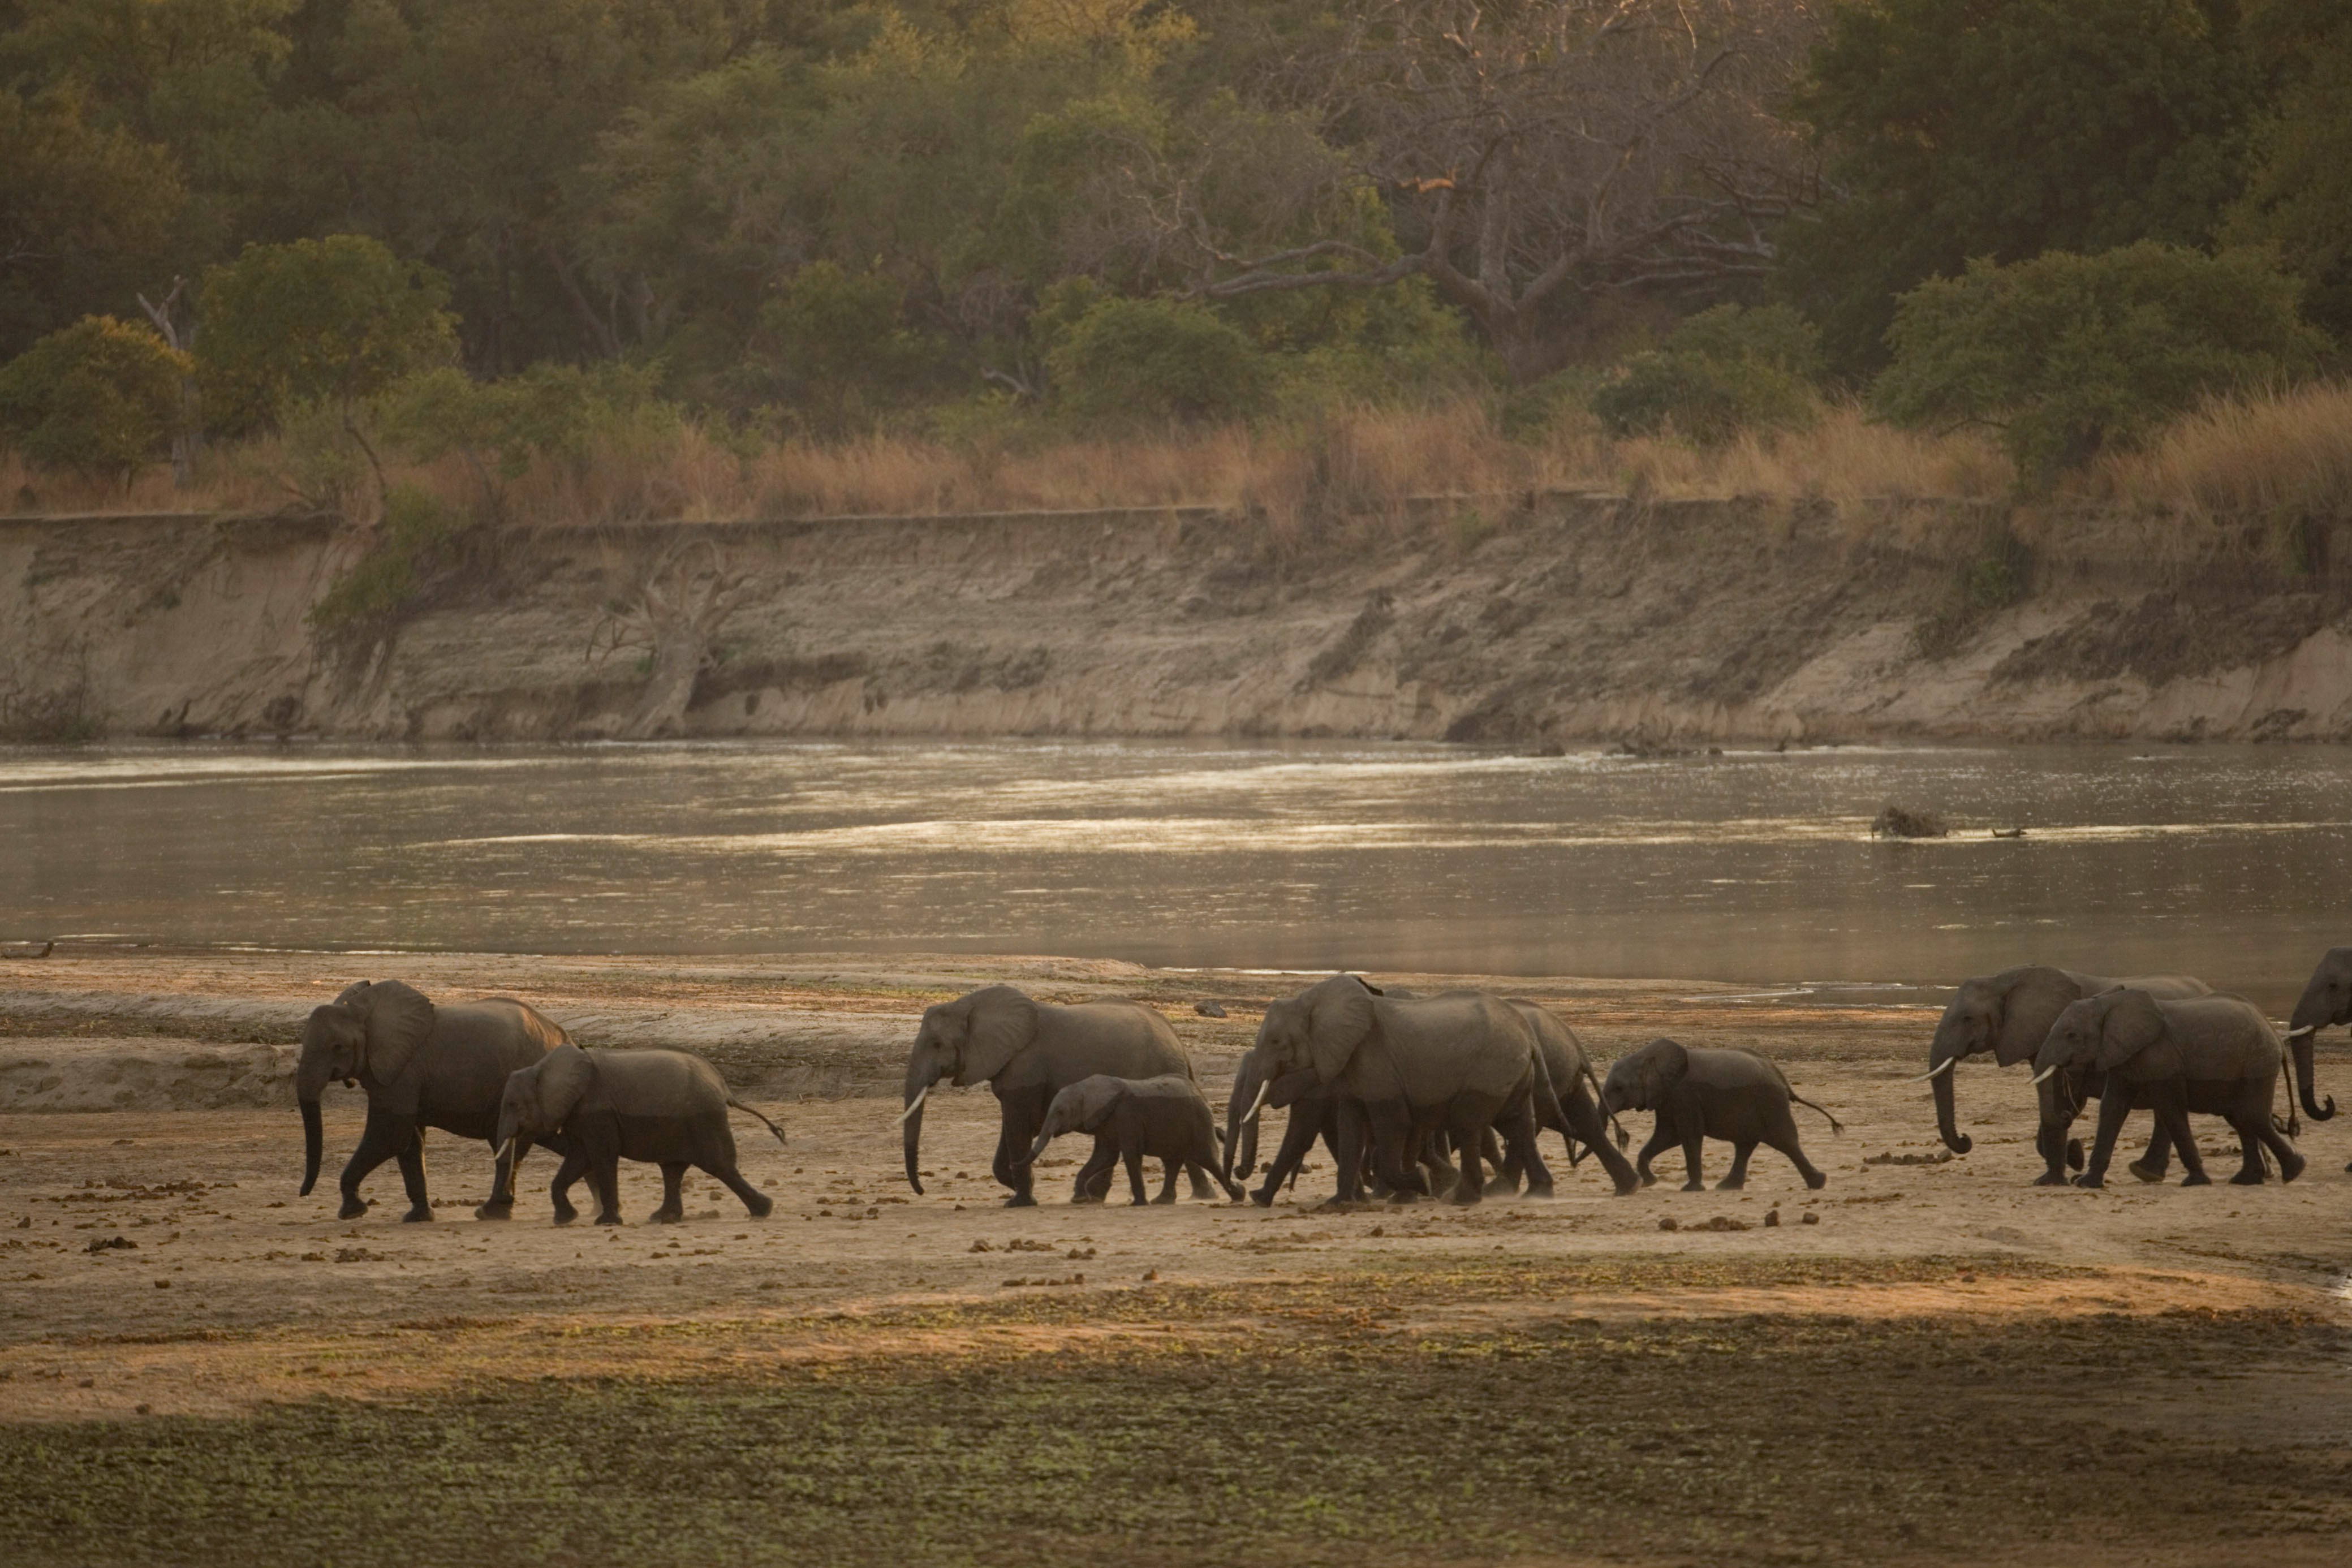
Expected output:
(1338, 1016)
(2133, 1024)
(565, 1075)
(2024, 1011)
(1100, 1105)
(1000, 1024)
(399, 1021)
(1668, 1061)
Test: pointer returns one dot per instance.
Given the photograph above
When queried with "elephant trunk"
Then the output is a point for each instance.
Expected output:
(309, 1083)
(919, 1089)
(1241, 1122)
(1943, 1061)
(1045, 1136)
(2304, 1086)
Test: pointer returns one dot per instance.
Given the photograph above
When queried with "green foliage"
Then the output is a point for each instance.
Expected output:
(831, 343)
(417, 527)
(1157, 360)
(2006, 128)
(99, 397)
(2298, 200)
(85, 209)
(564, 412)
(2067, 355)
(1723, 370)
(326, 320)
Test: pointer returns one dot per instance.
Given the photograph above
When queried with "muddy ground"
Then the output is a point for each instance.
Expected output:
(1948, 1364)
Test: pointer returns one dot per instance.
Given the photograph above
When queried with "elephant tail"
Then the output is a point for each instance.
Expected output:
(770, 1125)
(1836, 1126)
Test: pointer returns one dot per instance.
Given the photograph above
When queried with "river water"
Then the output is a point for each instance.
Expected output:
(2230, 863)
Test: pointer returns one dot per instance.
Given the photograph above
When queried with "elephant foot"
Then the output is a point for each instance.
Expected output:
(1541, 1190)
(2086, 1180)
(2074, 1153)
(1165, 1198)
(1080, 1198)
(496, 1211)
(2050, 1179)
(2251, 1176)
(1402, 1196)
(354, 1206)
(1627, 1188)
(665, 1216)
(1649, 1178)
(608, 1219)
(1263, 1200)
(2147, 1173)
(1728, 1185)
(760, 1205)
(422, 1214)
(1693, 1186)
(2290, 1166)
(2200, 1179)
(566, 1214)
(1021, 1201)
(1816, 1180)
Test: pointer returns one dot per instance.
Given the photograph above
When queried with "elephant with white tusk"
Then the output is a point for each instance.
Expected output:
(1134, 1120)
(1028, 1052)
(2216, 1055)
(2009, 1014)
(422, 1065)
(1699, 1093)
(665, 1108)
(2326, 1001)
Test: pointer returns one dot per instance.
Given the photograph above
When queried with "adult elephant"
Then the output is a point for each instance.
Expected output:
(1028, 1052)
(2010, 1015)
(1573, 1108)
(1462, 1062)
(2215, 1055)
(422, 1065)
(2326, 1001)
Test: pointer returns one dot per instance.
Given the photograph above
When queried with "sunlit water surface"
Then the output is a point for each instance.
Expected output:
(2226, 862)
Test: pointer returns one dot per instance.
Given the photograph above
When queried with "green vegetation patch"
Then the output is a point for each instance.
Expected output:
(1827, 1439)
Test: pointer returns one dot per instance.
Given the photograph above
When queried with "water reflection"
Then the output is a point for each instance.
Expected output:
(1752, 866)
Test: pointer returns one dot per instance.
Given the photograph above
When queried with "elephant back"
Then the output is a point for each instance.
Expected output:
(463, 1069)
(1725, 1068)
(1125, 1039)
(655, 1083)
(1456, 1042)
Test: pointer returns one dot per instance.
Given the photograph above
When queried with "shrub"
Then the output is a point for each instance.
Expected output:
(98, 398)
(2069, 355)
(1126, 359)
(1720, 371)
(832, 342)
(566, 413)
(416, 526)
(327, 321)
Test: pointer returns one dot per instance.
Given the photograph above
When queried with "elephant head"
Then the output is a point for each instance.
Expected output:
(1319, 1028)
(372, 1029)
(2010, 1015)
(2326, 1001)
(539, 1099)
(1258, 1085)
(1083, 1106)
(969, 1040)
(1641, 1081)
(2110, 1030)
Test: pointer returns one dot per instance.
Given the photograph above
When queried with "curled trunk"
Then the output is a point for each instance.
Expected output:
(2305, 1087)
(1946, 1124)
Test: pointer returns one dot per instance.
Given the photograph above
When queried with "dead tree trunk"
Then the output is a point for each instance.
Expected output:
(684, 599)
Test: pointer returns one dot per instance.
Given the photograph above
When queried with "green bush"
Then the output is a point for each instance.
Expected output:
(1720, 371)
(568, 413)
(417, 525)
(1124, 360)
(833, 344)
(99, 398)
(2068, 356)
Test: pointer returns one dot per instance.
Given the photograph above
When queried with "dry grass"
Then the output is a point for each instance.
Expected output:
(2262, 456)
(2278, 453)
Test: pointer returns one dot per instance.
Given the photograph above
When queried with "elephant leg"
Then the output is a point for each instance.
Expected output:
(1298, 1138)
(412, 1176)
(1472, 1187)
(1694, 1153)
(1350, 1153)
(2267, 1136)
(1093, 1183)
(1662, 1138)
(574, 1167)
(605, 1180)
(1783, 1140)
(2114, 1109)
(1585, 1127)
(1505, 1156)
(502, 1182)
(1234, 1192)
(1736, 1177)
(2050, 1142)
(1391, 1124)
(1024, 1114)
(1134, 1160)
(673, 1203)
(1170, 1168)
(1520, 1132)
(1201, 1188)
(2153, 1160)
(759, 1203)
(383, 1138)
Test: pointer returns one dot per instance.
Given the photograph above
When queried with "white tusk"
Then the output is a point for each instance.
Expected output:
(2037, 1078)
(916, 1105)
(2306, 1029)
(1949, 1063)
(501, 1155)
(1262, 1092)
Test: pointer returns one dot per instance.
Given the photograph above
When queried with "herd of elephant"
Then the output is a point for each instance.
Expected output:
(1413, 1096)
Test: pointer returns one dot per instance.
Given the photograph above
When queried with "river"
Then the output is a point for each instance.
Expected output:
(2229, 863)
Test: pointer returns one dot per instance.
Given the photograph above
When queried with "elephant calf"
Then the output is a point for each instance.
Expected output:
(1135, 1120)
(1737, 1096)
(665, 1108)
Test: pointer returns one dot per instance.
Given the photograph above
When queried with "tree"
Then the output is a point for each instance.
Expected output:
(1126, 359)
(1540, 155)
(1720, 371)
(832, 342)
(1958, 128)
(86, 211)
(2068, 356)
(2298, 198)
(99, 398)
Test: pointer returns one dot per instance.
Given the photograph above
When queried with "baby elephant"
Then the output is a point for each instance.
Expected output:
(1135, 1120)
(1737, 1096)
(666, 1107)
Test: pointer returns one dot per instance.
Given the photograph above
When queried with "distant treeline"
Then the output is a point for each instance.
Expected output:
(822, 217)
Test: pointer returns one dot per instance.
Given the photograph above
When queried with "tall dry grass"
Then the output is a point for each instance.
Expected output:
(2259, 455)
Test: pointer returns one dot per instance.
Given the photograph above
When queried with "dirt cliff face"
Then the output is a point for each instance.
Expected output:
(1542, 619)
